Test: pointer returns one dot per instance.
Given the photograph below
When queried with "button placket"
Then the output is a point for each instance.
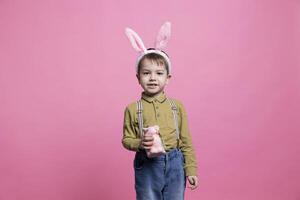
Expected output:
(157, 111)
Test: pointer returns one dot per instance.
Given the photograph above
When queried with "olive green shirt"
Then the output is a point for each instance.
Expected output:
(157, 111)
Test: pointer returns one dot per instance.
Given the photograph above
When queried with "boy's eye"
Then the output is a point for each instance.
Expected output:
(145, 73)
(160, 73)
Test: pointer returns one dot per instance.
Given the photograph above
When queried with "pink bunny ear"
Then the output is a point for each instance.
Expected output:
(135, 40)
(163, 36)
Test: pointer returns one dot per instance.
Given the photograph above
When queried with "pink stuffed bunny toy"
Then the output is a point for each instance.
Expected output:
(157, 148)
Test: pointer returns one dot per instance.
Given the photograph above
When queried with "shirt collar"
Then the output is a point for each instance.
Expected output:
(161, 97)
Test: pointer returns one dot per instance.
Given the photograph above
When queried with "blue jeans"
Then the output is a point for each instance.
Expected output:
(159, 178)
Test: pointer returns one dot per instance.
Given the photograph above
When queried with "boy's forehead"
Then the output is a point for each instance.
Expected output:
(149, 64)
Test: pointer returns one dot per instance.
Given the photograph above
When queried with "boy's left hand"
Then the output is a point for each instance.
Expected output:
(193, 180)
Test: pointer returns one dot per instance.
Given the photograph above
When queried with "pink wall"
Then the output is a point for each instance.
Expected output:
(67, 73)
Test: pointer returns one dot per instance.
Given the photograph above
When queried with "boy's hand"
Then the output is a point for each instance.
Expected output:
(193, 180)
(147, 142)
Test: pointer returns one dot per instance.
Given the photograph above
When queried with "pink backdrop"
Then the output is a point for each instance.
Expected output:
(67, 73)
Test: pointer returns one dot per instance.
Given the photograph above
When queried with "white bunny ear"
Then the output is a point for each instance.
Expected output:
(135, 40)
(163, 36)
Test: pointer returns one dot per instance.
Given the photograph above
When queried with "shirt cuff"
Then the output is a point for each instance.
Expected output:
(190, 171)
(133, 145)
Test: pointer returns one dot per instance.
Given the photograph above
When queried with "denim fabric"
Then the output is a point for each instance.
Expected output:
(159, 178)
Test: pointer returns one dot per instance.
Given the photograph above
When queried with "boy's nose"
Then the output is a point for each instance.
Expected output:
(152, 77)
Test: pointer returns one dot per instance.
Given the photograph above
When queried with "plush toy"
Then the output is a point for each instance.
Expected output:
(157, 148)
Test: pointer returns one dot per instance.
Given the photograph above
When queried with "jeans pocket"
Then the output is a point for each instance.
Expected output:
(138, 163)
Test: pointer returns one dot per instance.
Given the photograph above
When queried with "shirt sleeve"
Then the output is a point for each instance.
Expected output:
(186, 146)
(130, 140)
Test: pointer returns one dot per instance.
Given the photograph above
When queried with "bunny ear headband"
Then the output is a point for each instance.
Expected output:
(160, 43)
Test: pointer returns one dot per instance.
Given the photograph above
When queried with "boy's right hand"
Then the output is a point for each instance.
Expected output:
(147, 142)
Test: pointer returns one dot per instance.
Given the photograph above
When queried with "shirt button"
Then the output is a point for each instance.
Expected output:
(156, 107)
(158, 115)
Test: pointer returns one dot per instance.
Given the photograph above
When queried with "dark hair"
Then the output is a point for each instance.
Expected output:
(158, 59)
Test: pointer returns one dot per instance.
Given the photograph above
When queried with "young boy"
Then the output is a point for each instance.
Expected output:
(163, 176)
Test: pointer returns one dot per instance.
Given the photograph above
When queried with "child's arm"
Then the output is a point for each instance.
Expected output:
(188, 151)
(186, 147)
(130, 139)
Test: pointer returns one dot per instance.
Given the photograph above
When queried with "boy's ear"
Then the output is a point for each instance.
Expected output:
(138, 78)
(169, 76)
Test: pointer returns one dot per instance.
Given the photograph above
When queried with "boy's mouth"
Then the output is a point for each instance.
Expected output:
(152, 84)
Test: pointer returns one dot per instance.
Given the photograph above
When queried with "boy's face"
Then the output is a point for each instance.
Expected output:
(152, 77)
